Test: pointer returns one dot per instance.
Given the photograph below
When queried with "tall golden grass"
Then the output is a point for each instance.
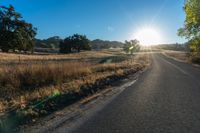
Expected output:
(11, 57)
(14, 79)
(20, 84)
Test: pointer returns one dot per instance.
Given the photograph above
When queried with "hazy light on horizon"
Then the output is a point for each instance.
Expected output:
(148, 36)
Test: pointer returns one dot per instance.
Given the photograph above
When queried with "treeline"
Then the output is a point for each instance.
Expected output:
(175, 47)
(101, 44)
(97, 44)
(80, 42)
(15, 33)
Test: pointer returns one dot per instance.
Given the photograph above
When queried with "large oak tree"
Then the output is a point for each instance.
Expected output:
(15, 33)
(76, 42)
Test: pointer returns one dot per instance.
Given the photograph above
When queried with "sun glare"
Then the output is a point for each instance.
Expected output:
(148, 36)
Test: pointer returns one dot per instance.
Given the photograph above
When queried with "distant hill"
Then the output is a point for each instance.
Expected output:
(52, 43)
(102, 44)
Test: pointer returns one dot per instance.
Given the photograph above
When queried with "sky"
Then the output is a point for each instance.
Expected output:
(103, 19)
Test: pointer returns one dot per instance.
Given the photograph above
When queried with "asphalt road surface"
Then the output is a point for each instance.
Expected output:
(165, 99)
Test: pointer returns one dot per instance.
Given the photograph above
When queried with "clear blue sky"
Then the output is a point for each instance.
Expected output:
(103, 19)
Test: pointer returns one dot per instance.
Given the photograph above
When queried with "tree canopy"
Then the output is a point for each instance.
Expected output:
(76, 42)
(15, 33)
(131, 46)
(191, 29)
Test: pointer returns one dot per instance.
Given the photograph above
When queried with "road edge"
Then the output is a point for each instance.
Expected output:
(79, 112)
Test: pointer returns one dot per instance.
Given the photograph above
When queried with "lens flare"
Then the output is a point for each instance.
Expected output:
(148, 36)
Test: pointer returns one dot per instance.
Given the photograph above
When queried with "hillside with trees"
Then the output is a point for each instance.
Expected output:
(52, 42)
(19, 36)
(101, 44)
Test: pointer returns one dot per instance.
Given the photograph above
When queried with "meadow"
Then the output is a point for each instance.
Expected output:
(35, 85)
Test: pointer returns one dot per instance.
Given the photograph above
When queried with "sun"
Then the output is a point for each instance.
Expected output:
(148, 36)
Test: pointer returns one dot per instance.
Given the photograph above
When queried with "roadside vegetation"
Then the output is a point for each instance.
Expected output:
(178, 55)
(173, 47)
(190, 51)
(191, 28)
(31, 90)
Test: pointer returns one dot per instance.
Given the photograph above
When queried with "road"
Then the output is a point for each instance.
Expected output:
(165, 99)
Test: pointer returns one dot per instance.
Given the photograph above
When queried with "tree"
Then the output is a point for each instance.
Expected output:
(191, 29)
(15, 33)
(66, 45)
(80, 42)
(76, 42)
(131, 46)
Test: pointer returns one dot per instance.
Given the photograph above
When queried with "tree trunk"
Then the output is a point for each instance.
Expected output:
(79, 50)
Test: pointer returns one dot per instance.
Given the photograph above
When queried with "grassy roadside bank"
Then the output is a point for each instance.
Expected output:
(183, 57)
(28, 92)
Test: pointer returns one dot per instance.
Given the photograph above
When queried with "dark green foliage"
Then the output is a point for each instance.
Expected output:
(15, 33)
(76, 42)
(66, 45)
(131, 46)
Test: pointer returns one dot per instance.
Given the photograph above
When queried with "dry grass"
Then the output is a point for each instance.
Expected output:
(24, 83)
(10, 57)
(14, 79)
(192, 58)
(182, 56)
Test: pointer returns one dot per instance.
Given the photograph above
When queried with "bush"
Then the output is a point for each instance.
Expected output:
(195, 60)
